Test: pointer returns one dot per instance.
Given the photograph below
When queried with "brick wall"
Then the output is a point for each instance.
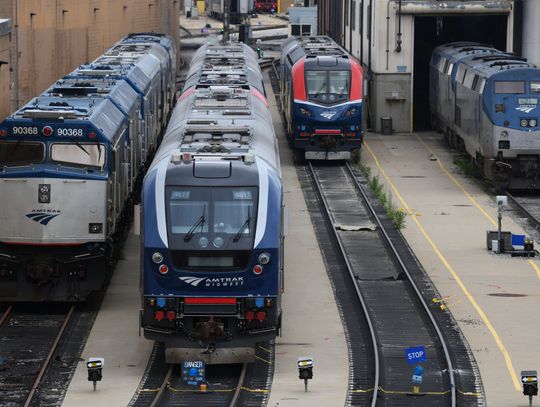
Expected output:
(52, 37)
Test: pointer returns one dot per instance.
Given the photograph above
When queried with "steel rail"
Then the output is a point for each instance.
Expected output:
(161, 391)
(238, 390)
(524, 210)
(49, 357)
(411, 281)
(5, 315)
(357, 289)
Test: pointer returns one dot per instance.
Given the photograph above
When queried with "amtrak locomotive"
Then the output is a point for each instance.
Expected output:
(486, 101)
(321, 97)
(212, 219)
(70, 160)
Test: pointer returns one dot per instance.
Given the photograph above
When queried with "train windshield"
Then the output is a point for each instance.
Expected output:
(509, 87)
(535, 87)
(224, 212)
(16, 153)
(79, 154)
(328, 86)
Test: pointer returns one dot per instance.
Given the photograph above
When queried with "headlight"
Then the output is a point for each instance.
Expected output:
(533, 123)
(264, 258)
(157, 257)
(351, 112)
(305, 112)
(523, 123)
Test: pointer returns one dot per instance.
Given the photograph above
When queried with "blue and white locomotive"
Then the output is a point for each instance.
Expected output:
(486, 101)
(212, 218)
(69, 161)
(321, 97)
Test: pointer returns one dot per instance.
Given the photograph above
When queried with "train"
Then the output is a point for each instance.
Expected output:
(70, 161)
(239, 9)
(212, 217)
(486, 102)
(321, 98)
(265, 6)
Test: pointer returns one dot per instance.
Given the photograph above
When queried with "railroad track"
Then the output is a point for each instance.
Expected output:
(395, 313)
(30, 338)
(231, 385)
(529, 206)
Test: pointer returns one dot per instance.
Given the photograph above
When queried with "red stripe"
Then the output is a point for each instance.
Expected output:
(299, 85)
(259, 95)
(327, 131)
(356, 81)
(186, 93)
(203, 300)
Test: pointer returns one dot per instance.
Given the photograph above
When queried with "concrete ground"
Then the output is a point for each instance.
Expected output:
(493, 297)
(311, 323)
(115, 337)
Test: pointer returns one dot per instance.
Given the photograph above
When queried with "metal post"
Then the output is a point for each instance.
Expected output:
(530, 400)
(306, 381)
(499, 217)
(226, 20)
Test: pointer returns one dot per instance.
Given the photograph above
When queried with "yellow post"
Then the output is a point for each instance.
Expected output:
(416, 389)
(202, 387)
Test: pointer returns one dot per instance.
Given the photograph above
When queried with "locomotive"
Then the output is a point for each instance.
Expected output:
(486, 101)
(212, 217)
(70, 160)
(321, 98)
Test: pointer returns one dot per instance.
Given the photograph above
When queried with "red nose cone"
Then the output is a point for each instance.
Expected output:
(250, 316)
(171, 315)
(261, 315)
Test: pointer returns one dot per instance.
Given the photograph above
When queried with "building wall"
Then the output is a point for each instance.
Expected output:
(283, 5)
(5, 64)
(372, 38)
(52, 37)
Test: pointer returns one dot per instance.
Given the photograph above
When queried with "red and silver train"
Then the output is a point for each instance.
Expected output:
(321, 97)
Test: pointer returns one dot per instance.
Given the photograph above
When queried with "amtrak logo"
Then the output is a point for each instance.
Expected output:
(214, 282)
(328, 115)
(43, 216)
(526, 108)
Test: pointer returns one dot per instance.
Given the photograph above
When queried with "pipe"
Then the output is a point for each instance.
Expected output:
(398, 40)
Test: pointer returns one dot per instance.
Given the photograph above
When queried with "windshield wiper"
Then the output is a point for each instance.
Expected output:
(200, 222)
(241, 230)
(81, 147)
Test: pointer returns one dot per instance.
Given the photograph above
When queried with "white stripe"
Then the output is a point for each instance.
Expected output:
(160, 200)
(263, 201)
(328, 107)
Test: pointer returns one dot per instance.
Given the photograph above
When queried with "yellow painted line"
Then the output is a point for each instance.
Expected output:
(450, 269)
(428, 393)
(362, 391)
(469, 196)
(255, 390)
(265, 349)
(264, 360)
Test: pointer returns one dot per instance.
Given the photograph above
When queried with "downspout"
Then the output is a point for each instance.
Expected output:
(398, 45)
(361, 29)
(17, 55)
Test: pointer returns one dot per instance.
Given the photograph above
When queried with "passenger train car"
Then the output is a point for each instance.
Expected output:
(212, 217)
(486, 101)
(69, 161)
(321, 97)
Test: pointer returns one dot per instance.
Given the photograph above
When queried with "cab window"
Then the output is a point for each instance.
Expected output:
(79, 154)
(16, 153)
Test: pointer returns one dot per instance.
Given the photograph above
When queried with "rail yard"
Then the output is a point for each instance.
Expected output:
(235, 203)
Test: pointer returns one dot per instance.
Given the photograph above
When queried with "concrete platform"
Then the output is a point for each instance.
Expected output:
(115, 337)
(311, 323)
(494, 298)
